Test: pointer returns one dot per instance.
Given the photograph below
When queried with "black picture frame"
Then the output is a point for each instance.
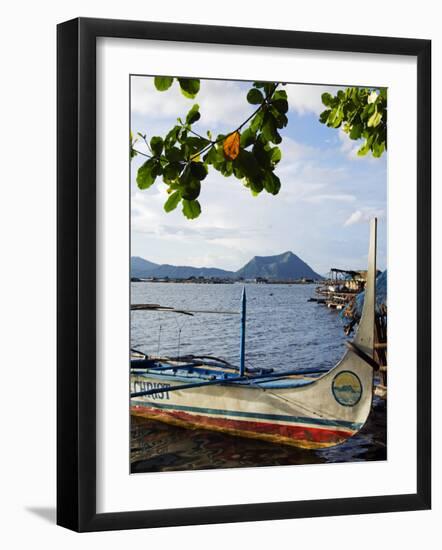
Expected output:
(76, 274)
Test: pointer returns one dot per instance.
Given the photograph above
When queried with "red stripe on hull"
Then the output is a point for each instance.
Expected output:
(298, 435)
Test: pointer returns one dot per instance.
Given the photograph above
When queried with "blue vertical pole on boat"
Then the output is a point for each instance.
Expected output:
(243, 334)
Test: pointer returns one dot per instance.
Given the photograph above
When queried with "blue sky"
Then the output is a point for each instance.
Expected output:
(321, 212)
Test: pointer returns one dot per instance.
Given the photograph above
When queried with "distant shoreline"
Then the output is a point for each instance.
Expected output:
(282, 267)
(213, 281)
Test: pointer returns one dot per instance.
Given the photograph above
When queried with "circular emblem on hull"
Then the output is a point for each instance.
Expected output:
(347, 388)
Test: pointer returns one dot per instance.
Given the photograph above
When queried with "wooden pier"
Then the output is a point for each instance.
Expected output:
(380, 352)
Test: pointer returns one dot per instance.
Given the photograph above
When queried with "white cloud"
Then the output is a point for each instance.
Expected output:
(364, 215)
(222, 103)
(348, 146)
(304, 177)
(294, 150)
(306, 98)
(340, 197)
(146, 100)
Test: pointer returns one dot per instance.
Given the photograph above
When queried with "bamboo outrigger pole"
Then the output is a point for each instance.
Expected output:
(243, 334)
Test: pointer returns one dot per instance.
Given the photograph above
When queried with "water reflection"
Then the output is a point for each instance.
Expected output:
(159, 447)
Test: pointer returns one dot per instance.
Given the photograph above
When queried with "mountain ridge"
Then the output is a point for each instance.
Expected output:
(284, 266)
(280, 266)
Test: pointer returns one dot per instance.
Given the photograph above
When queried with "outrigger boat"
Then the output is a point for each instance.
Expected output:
(311, 408)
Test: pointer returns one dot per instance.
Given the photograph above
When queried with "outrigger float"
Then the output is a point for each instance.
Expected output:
(311, 408)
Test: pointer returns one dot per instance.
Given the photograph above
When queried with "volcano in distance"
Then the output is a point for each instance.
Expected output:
(286, 266)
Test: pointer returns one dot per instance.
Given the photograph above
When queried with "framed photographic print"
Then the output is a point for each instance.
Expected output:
(230, 346)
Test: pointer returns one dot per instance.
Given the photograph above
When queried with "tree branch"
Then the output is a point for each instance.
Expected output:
(198, 135)
(140, 153)
(212, 143)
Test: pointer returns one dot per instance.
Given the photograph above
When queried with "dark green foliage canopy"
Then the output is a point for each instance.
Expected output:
(183, 157)
(249, 152)
(362, 113)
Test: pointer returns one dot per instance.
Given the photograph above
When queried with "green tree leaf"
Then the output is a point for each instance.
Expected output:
(335, 118)
(275, 155)
(269, 87)
(280, 119)
(269, 131)
(185, 176)
(172, 136)
(272, 183)
(225, 167)
(173, 154)
(189, 87)
(163, 83)
(193, 115)
(171, 171)
(356, 131)
(247, 164)
(191, 209)
(172, 201)
(327, 99)
(198, 170)
(256, 185)
(378, 149)
(192, 190)
(256, 122)
(281, 105)
(366, 147)
(280, 94)
(156, 144)
(323, 117)
(147, 174)
(363, 150)
(194, 144)
(213, 155)
(247, 138)
(374, 120)
(261, 155)
(255, 97)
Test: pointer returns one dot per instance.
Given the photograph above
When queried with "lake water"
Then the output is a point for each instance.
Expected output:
(284, 332)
